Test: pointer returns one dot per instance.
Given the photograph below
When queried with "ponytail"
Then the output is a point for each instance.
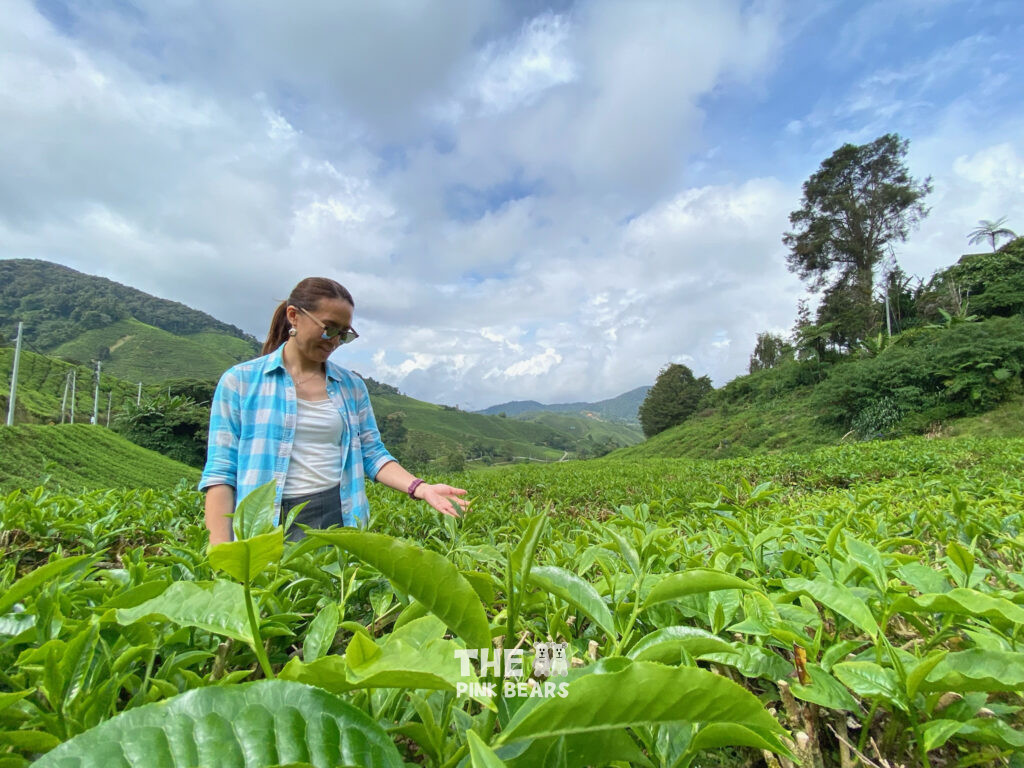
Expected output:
(278, 334)
(307, 294)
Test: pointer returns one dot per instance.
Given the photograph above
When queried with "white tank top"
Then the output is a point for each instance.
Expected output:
(315, 463)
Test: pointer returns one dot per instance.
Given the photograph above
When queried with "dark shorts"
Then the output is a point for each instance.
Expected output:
(322, 511)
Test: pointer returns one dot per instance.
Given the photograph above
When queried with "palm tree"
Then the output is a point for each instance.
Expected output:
(991, 230)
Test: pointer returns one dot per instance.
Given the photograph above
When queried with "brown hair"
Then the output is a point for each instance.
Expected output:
(307, 295)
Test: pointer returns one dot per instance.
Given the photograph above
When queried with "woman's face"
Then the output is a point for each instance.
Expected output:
(332, 313)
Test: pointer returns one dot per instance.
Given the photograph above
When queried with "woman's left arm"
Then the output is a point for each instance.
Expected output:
(437, 495)
(382, 467)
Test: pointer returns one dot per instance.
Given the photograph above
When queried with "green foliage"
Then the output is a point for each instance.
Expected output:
(435, 431)
(763, 412)
(905, 305)
(673, 398)
(455, 460)
(895, 567)
(1005, 420)
(58, 304)
(619, 409)
(80, 457)
(860, 201)
(175, 426)
(140, 352)
(878, 418)
(993, 231)
(198, 390)
(935, 374)
(375, 387)
(261, 724)
(770, 350)
(582, 434)
(415, 458)
(393, 434)
(990, 284)
(41, 384)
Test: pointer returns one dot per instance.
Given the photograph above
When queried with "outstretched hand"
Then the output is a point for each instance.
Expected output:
(441, 496)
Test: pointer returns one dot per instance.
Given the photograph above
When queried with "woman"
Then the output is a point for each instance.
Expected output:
(293, 416)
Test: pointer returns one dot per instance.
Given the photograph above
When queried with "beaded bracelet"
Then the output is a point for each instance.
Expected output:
(414, 485)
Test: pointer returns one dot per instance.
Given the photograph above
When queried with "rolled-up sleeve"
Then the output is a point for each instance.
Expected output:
(375, 455)
(225, 428)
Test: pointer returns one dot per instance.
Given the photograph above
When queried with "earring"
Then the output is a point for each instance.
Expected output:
(292, 331)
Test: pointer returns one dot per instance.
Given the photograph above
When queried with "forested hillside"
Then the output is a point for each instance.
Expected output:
(84, 318)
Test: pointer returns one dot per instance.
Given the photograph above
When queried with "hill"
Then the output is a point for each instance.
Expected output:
(82, 457)
(140, 352)
(622, 408)
(439, 429)
(961, 378)
(587, 428)
(137, 336)
(732, 430)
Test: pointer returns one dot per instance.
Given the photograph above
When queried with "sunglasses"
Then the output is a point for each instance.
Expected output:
(333, 334)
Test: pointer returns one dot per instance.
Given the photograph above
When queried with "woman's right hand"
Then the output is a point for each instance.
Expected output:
(441, 496)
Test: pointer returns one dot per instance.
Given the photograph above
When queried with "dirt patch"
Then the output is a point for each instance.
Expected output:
(121, 341)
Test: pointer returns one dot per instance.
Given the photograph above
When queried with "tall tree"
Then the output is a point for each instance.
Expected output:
(860, 201)
(992, 231)
(673, 398)
(769, 351)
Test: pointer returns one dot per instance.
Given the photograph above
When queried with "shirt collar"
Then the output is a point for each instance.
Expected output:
(275, 361)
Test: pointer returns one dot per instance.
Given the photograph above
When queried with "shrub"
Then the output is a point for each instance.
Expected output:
(939, 373)
(878, 418)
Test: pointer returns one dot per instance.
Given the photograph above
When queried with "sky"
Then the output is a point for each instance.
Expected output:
(527, 200)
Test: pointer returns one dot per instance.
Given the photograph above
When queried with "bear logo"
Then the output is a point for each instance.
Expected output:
(542, 659)
(559, 662)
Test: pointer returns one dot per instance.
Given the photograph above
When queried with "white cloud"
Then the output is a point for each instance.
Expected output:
(538, 59)
(536, 365)
(501, 191)
(984, 184)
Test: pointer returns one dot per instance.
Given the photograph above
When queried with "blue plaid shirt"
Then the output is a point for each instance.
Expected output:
(252, 427)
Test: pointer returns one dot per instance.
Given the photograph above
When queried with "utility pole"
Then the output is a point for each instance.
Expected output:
(138, 400)
(74, 382)
(96, 396)
(64, 400)
(108, 408)
(14, 378)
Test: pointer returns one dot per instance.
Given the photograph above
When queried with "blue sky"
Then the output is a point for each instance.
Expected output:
(528, 200)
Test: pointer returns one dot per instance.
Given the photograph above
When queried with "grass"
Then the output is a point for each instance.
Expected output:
(79, 457)
(140, 352)
(583, 427)
(730, 430)
(439, 429)
(1006, 420)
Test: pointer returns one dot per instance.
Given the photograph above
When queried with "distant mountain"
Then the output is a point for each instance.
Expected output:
(136, 336)
(622, 408)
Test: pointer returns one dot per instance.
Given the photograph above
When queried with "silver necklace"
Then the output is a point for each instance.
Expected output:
(313, 375)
